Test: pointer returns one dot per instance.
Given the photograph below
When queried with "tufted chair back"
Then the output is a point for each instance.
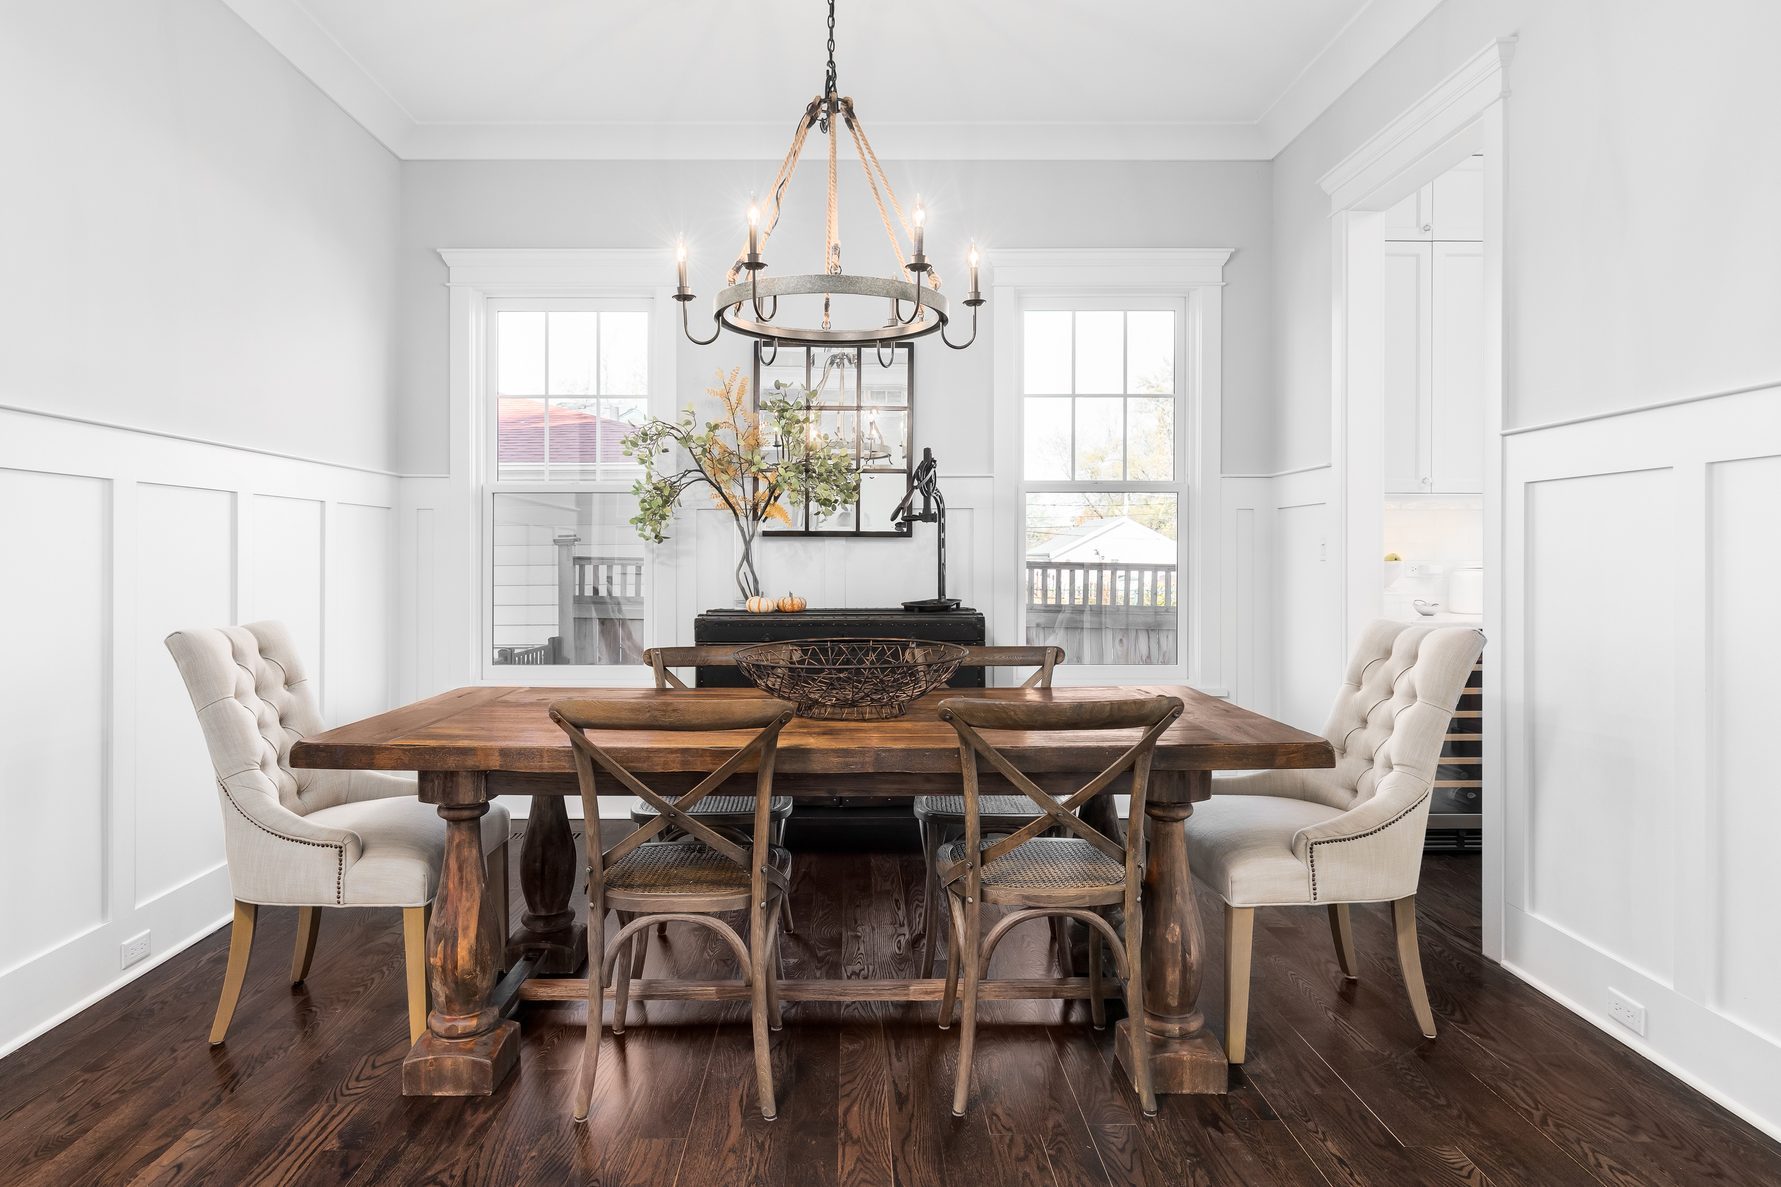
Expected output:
(254, 701)
(1391, 716)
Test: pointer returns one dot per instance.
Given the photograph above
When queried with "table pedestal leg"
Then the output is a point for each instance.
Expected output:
(548, 865)
(1184, 1055)
(468, 1049)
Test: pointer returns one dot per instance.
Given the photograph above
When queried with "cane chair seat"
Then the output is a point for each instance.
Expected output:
(681, 870)
(734, 811)
(1044, 869)
(950, 809)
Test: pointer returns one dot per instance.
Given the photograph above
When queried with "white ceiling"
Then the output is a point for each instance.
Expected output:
(1062, 79)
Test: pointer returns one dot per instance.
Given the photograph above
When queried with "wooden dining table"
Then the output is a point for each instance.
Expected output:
(472, 744)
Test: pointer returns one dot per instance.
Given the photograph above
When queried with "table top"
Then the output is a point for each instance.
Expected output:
(508, 729)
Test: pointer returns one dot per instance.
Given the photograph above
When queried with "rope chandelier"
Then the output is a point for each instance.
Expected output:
(749, 306)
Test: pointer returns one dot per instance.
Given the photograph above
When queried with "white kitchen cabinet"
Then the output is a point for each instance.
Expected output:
(1407, 373)
(1413, 218)
(1433, 370)
(1456, 430)
(1451, 207)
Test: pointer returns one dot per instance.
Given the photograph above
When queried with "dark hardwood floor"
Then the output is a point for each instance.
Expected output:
(1340, 1088)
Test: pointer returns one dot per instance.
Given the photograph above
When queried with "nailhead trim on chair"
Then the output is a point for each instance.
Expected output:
(1311, 852)
(339, 850)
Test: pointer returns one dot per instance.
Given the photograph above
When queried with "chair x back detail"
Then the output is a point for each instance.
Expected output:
(734, 813)
(1073, 875)
(941, 818)
(691, 880)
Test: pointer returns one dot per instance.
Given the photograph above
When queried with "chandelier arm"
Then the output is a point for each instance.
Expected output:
(882, 360)
(686, 327)
(767, 360)
(966, 342)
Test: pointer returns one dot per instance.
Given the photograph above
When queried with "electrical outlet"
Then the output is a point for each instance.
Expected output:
(136, 948)
(1626, 1011)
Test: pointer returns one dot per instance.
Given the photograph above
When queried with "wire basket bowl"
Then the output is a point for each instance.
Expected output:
(850, 679)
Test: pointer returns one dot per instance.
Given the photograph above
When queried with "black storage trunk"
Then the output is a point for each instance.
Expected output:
(875, 824)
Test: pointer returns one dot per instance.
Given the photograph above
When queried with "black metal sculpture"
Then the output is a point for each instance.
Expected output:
(926, 482)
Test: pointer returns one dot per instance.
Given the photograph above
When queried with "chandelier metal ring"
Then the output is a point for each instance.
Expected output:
(731, 302)
(831, 112)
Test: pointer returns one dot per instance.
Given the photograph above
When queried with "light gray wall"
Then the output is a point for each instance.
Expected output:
(1013, 204)
(202, 244)
(1642, 176)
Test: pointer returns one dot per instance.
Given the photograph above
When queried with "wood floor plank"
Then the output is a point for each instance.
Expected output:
(1339, 1087)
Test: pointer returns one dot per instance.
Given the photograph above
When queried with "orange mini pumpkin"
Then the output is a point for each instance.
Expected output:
(791, 603)
(760, 605)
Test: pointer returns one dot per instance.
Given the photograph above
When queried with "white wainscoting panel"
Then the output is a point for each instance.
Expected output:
(1601, 686)
(106, 790)
(1744, 536)
(1639, 677)
(361, 554)
(54, 532)
(286, 581)
(1308, 642)
(185, 576)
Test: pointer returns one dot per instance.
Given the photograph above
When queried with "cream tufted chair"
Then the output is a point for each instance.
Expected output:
(1348, 834)
(302, 838)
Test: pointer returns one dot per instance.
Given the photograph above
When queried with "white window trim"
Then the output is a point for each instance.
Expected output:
(477, 276)
(1195, 277)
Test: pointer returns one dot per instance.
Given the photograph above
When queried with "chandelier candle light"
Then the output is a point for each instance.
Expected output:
(749, 307)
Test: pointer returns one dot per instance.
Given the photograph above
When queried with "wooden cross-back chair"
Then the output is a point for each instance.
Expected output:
(941, 818)
(1073, 875)
(732, 812)
(691, 880)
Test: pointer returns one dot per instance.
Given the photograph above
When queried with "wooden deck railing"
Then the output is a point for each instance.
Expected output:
(1085, 583)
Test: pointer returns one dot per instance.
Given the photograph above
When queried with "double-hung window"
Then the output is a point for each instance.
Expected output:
(1103, 481)
(568, 582)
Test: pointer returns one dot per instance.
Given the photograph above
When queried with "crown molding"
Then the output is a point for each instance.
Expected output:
(1453, 103)
(1355, 49)
(291, 30)
(978, 141)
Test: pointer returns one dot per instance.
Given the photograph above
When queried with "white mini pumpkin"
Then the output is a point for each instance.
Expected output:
(760, 605)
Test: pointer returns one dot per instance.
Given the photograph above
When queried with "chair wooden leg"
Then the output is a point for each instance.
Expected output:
(1239, 940)
(622, 972)
(954, 945)
(1097, 1008)
(309, 920)
(758, 976)
(1342, 932)
(777, 836)
(503, 903)
(414, 947)
(775, 966)
(639, 951)
(241, 942)
(596, 998)
(930, 901)
(1060, 936)
(968, 957)
(1134, 996)
(1403, 914)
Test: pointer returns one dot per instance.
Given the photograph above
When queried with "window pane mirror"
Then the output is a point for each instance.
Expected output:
(866, 401)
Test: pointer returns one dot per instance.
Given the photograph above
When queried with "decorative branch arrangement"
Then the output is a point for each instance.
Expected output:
(753, 463)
